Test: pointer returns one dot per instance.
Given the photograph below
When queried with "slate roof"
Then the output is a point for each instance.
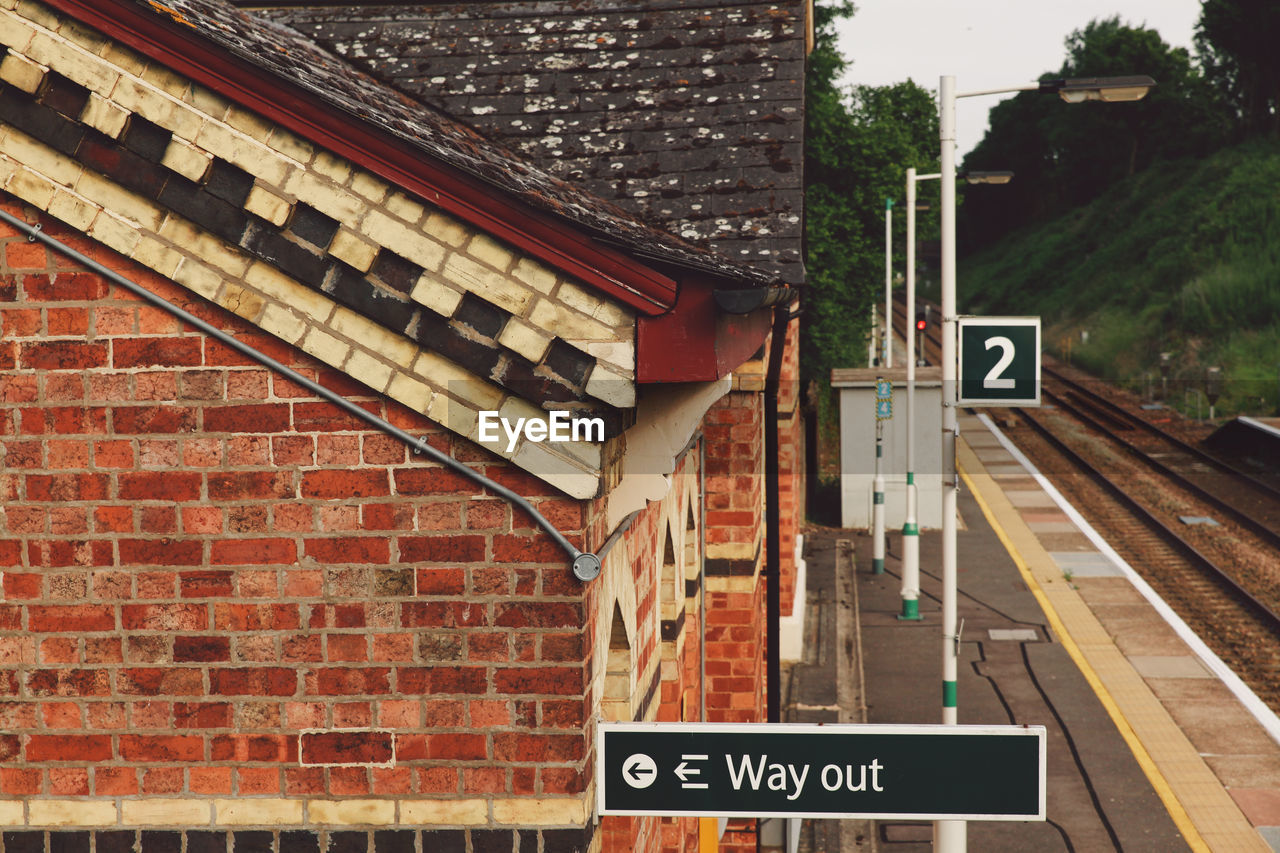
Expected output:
(281, 51)
(688, 113)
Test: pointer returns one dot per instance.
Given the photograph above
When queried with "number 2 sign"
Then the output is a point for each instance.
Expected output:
(998, 361)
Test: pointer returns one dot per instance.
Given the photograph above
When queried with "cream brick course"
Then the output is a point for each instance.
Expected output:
(164, 79)
(558, 470)
(407, 242)
(446, 229)
(594, 306)
(353, 250)
(15, 32)
(104, 115)
(298, 150)
(436, 295)
(73, 62)
(271, 207)
(337, 202)
(198, 278)
(332, 167)
(568, 324)
(71, 813)
(156, 255)
(529, 342)
(81, 35)
(72, 209)
(258, 812)
(613, 388)
(455, 415)
(40, 158)
(540, 811)
(39, 14)
(240, 301)
(536, 275)
(249, 154)
(282, 323)
(199, 243)
(165, 812)
(456, 382)
(369, 370)
(373, 189)
(351, 812)
(473, 812)
(31, 187)
(279, 287)
(489, 284)
(412, 392)
(114, 232)
(331, 350)
(187, 160)
(123, 58)
(22, 73)
(406, 208)
(489, 251)
(11, 813)
(111, 196)
(248, 123)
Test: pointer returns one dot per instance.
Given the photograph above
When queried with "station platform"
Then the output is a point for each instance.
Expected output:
(1149, 749)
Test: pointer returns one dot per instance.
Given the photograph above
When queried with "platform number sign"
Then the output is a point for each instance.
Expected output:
(999, 361)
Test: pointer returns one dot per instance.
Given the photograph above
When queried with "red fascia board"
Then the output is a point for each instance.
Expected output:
(554, 242)
(696, 341)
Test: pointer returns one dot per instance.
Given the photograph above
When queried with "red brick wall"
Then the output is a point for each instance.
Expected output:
(202, 563)
(790, 464)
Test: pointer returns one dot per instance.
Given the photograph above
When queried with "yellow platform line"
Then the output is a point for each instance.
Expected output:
(1199, 806)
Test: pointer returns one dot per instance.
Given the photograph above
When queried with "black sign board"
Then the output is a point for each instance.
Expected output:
(998, 361)
(837, 771)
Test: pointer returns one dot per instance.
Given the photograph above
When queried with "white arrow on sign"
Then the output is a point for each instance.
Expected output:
(639, 770)
(684, 771)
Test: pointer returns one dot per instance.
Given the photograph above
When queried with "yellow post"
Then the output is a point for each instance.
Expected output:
(708, 835)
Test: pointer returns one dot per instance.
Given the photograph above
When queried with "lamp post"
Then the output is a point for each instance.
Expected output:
(910, 522)
(887, 361)
(949, 835)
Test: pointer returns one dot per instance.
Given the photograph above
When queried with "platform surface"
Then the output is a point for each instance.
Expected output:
(1148, 749)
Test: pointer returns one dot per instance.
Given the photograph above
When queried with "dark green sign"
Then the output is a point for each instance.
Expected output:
(998, 361)
(838, 771)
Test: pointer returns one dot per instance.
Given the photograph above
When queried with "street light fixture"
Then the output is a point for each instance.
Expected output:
(949, 835)
(1001, 177)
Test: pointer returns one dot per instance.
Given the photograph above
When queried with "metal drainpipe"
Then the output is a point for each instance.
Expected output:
(702, 575)
(772, 514)
(586, 566)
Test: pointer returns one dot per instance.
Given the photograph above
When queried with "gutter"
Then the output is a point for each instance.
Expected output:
(586, 566)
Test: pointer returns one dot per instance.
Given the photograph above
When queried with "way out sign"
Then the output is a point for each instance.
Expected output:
(834, 771)
(998, 361)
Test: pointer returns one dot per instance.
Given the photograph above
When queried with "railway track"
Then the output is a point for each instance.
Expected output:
(1204, 534)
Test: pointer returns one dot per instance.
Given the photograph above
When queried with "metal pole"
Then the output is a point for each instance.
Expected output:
(888, 282)
(910, 526)
(949, 835)
(877, 502)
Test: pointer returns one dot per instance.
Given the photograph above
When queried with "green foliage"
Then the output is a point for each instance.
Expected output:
(1236, 40)
(1183, 258)
(1066, 155)
(858, 146)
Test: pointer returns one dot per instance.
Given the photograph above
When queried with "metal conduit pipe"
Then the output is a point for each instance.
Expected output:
(586, 566)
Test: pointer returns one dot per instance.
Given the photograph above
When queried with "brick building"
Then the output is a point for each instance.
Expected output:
(269, 581)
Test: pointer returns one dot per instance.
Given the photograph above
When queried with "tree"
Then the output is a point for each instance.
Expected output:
(1066, 156)
(1236, 41)
(858, 145)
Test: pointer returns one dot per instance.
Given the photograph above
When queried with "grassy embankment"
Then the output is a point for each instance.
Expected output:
(1183, 258)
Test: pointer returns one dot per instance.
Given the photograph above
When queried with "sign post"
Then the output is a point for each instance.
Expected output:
(910, 772)
(884, 411)
(998, 361)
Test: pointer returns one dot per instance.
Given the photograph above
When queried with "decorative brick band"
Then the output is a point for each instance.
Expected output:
(576, 840)
(286, 812)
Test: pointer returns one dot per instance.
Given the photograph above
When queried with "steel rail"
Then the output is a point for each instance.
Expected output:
(1166, 533)
(1256, 527)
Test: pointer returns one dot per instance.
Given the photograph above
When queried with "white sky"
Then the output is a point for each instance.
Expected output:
(986, 44)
